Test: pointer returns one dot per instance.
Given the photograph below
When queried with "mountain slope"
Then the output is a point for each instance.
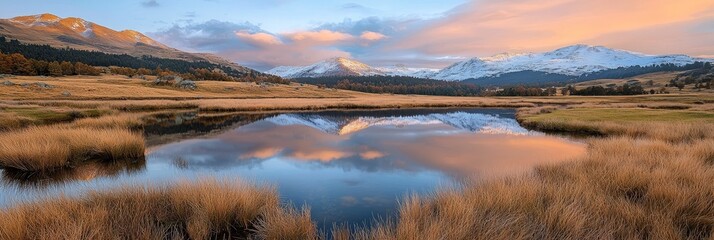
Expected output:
(572, 60)
(77, 33)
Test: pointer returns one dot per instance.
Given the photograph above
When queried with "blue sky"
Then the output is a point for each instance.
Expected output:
(418, 33)
(271, 15)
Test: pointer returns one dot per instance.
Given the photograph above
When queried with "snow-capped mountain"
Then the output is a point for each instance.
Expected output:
(472, 122)
(331, 67)
(347, 67)
(572, 60)
(402, 70)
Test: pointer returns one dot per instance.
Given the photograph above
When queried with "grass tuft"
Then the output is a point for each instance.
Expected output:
(50, 147)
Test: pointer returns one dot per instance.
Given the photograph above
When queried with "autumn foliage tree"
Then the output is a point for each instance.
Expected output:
(54, 69)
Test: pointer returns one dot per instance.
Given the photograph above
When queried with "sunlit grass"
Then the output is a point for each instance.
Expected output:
(624, 115)
(208, 209)
(47, 147)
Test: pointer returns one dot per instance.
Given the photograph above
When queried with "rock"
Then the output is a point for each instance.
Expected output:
(66, 94)
(168, 80)
(25, 85)
(43, 85)
(8, 83)
(187, 84)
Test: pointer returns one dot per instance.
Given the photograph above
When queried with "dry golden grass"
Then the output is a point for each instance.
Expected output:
(668, 125)
(49, 147)
(108, 87)
(10, 121)
(208, 209)
(122, 121)
(623, 189)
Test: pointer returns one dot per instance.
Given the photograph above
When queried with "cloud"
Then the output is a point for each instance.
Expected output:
(488, 27)
(250, 45)
(319, 36)
(372, 36)
(356, 7)
(260, 38)
(150, 3)
(211, 36)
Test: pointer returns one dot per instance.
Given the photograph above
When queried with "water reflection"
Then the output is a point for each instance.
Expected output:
(347, 166)
(87, 171)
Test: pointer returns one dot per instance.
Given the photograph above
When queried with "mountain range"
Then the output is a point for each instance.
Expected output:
(571, 61)
(77, 33)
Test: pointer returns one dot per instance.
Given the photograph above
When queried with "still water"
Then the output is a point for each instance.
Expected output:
(347, 166)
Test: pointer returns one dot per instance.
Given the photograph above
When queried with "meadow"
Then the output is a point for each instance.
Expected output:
(647, 173)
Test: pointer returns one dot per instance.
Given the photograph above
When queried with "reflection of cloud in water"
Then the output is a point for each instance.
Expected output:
(488, 155)
(415, 147)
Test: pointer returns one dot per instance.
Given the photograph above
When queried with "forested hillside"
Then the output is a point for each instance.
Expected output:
(396, 84)
(93, 58)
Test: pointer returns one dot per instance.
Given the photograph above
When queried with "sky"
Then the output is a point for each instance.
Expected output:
(417, 33)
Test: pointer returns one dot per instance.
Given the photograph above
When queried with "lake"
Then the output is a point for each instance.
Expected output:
(347, 166)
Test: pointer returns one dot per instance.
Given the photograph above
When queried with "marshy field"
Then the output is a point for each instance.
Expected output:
(112, 157)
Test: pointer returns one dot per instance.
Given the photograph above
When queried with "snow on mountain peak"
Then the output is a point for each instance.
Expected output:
(338, 66)
(37, 20)
(571, 60)
(501, 57)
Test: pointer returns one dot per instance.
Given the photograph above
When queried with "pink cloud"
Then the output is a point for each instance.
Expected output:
(488, 27)
(372, 36)
(259, 38)
(319, 36)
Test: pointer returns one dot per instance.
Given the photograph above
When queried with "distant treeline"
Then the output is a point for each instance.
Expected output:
(625, 72)
(396, 85)
(625, 89)
(702, 78)
(17, 64)
(543, 79)
(523, 91)
(523, 78)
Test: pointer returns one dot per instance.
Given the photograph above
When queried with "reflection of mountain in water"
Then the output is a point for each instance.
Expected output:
(343, 125)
